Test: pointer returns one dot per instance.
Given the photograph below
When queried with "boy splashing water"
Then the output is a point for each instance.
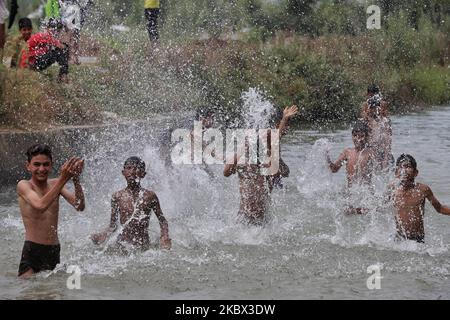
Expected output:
(359, 161)
(409, 200)
(131, 207)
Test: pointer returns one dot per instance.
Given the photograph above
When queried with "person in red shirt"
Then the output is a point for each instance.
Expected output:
(44, 49)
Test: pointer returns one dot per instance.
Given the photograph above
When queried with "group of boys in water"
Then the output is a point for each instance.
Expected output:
(131, 207)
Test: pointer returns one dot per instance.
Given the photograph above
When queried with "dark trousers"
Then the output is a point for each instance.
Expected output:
(61, 56)
(151, 15)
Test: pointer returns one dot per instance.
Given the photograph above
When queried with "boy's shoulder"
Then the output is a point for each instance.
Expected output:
(118, 194)
(348, 150)
(423, 187)
(148, 193)
(23, 184)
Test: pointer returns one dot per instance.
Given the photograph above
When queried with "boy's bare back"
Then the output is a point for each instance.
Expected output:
(254, 193)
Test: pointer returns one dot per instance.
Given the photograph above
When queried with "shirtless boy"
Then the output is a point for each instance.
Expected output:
(131, 207)
(374, 95)
(380, 131)
(254, 187)
(409, 200)
(39, 206)
(359, 160)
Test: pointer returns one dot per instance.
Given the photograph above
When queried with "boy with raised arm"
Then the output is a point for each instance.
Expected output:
(254, 187)
(380, 130)
(359, 161)
(131, 208)
(408, 198)
(39, 207)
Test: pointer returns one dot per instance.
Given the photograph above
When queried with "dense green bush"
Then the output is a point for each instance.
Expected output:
(431, 84)
(334, 18)
(402, 45)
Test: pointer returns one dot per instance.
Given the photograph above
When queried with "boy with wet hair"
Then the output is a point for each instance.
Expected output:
(374, 99)
(359, 163)
(359, 160)
(380, 134)
(254, 186)
(409, 200)
(131, 208)
(39, 207)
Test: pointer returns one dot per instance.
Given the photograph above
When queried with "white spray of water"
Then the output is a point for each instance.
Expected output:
(257, 110)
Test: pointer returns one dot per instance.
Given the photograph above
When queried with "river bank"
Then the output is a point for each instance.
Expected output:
(133, 80)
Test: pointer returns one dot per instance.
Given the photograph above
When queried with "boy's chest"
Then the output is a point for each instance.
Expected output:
(409, 199)
(357, 160)
(129, 209)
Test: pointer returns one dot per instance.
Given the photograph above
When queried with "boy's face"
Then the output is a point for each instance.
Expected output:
(207, 121)
(26, 33)
(132, 173)
(406, 172)
(40, 167)
(359, 139)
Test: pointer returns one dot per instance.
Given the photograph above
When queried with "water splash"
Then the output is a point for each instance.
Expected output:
(257, 111)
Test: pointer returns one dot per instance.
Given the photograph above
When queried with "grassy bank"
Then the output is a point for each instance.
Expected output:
(325, 73)
(326, 76)
(35, 101)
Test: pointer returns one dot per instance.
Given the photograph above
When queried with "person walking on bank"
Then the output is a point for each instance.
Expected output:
(151, 11)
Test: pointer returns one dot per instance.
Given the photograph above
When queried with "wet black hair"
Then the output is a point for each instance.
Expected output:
(360, 126)
(373, 88)
(38, 149)
(374, 101)
(203, 112)
(135, 161)
(276, 117)
(25, 23)
(408, 158)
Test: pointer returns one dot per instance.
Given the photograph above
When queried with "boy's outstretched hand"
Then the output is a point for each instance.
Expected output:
(289, 112)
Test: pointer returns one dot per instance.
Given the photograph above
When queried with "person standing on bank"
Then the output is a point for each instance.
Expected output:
(151, 11)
